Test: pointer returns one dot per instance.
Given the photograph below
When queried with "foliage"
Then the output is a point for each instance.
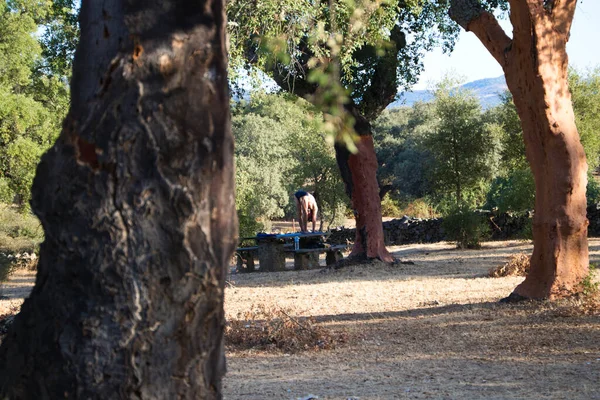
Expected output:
(341, 54)
(463, 147)
(585, 92)
(399, 144)
(262, 164)
(512, 153)
(420, 208)
(514, 189)
(60, 37)
(19, 233)
(592, 191)
(513, 192)
(390, 207)
(466, 227)
(280, 148)
(33, 102)
(589, 286)
(248, 225)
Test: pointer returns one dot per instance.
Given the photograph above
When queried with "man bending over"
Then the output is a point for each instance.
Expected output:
(307, 209)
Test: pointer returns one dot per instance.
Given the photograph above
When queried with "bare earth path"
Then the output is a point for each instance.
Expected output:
(431, 330)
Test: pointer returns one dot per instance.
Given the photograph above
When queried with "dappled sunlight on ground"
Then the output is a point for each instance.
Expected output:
(429, 330)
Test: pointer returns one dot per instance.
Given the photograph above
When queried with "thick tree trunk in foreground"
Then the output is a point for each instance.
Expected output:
(359, 172)
(136, 200)
(535, 64)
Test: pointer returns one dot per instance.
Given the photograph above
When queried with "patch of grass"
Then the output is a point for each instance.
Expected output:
(590, 287)
(19, 233)
(389, 207)
(517, 265)
(466, 227)
(419, 208)
(276, 329)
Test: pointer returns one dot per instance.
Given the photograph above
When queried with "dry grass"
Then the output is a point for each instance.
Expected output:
(430, 330)
(15, 290)
(517, 265)
(275, 329)
(578, 306)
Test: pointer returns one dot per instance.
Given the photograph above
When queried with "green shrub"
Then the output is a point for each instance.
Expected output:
(592, 191)
(527, 232)
(589, 286)
(6, 193)
(16, 225)
(7, 266)
(389, 207)
(466, 227)
(515, 192)
(19, 233)
(248, 226)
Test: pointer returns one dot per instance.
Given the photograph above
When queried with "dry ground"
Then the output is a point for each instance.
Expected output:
(431, 330)
(13, 292)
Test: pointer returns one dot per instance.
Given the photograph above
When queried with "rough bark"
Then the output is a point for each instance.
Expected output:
(136, 201)
(359, 174)
(535, 65)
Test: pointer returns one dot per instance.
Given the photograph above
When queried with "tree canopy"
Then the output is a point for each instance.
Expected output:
(33, 98)
(372, 47)
(280, 148)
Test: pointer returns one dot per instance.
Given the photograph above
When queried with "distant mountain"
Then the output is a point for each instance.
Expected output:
(487, 90)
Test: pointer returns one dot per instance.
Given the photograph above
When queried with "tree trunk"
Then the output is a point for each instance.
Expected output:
(560, 256)
(535, 64)
(136, 200)
(359, 174)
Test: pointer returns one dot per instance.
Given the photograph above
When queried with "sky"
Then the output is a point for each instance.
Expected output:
(471, 61)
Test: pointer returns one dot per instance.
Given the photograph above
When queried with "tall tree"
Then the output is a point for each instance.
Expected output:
(32, 104)
(462, 147)
(136, 200)
(343, 54)
(535, 64)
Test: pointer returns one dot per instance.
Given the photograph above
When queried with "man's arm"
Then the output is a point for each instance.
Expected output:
(298, 212)
(314, 215)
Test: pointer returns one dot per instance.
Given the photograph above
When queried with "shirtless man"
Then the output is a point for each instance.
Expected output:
(307, 209)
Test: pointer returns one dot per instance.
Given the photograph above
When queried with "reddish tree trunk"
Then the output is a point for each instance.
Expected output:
(535, 63)
(136, 201)
(538, 79)
(359, 172)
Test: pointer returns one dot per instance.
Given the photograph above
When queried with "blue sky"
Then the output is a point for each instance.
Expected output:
(471, 60)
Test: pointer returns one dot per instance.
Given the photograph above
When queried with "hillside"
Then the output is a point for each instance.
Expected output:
(487, 90)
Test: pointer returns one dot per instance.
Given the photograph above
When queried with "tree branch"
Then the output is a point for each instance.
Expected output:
(379, 76)
(473, 18)
(562, 13)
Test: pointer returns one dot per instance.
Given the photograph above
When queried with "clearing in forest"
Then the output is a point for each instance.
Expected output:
(428, 330)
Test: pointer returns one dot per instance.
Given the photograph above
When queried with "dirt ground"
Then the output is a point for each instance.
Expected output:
(428, 330)
(13, 292)
(431, 330)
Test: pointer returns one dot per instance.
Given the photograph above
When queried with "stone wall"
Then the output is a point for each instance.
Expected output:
(408, 230)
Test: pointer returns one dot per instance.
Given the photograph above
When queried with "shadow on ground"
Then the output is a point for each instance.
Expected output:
(475, 351)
